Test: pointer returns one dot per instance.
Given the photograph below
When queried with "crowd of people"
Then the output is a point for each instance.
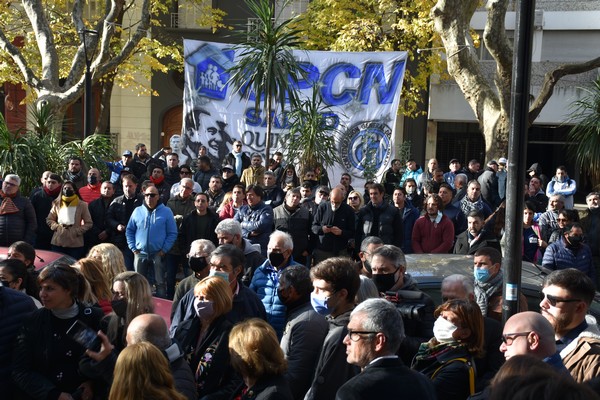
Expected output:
(286, 286)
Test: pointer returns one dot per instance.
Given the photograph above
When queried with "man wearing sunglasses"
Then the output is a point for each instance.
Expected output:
(530, 333)
(151, 232)
(567, 295)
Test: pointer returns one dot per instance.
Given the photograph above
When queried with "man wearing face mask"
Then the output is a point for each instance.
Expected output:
(570, 252)
(335, 282)
(487, 272)
(389, 275)
(227, 262)
(91, 191)
(590, 222)
(367, 247)
(265, 280)
(305, 329)
(197, 259)
(334, 224)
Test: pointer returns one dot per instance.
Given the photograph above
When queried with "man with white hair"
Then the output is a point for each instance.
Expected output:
(197, 260)
(374, 334)
(265, 280)
(17, 216)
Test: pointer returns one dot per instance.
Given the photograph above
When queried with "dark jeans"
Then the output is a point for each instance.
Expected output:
(172, 261)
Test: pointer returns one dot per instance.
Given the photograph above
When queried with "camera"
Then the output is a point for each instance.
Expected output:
(409, 303)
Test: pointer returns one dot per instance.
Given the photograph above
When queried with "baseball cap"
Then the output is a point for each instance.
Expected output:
(227, 167)
(502, 160)
(127, 153)
(454, 160)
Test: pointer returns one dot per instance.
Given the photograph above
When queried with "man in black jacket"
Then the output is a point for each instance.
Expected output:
(388, 265)
(17, 216)
(375, 332)
(118, 215)
(237, 158)
(334, 224)
(379, 218)
(99, 233)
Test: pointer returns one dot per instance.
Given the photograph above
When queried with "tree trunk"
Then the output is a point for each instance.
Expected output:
(103, 118)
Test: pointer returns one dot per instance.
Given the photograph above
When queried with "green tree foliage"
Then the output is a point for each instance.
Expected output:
(584, 137)
(266, 63)
(378, 25)
(311, 137)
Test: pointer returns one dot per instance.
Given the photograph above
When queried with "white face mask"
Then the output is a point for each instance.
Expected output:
(334, 207)
(410, 189)
(443, 330)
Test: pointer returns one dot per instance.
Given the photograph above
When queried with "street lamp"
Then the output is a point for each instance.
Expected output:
(87, 118)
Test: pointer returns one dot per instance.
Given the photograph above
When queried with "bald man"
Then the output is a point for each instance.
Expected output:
(333, 224)
(530, 333)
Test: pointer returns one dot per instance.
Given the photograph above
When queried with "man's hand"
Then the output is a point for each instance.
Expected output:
(161, 254)
(103, 235)
(121, 227)
(336, 231)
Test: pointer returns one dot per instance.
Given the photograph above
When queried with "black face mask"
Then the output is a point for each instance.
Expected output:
(384, 282)
(282, 298)
(197, 264)
(119, 307)
(575, 241)
(276, 259)
(367, 265)
(92, 180)
(68, 192)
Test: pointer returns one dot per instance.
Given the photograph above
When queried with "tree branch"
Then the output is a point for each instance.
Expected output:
(497, 43)
(30, 78)
(551, 79)
(45, 41)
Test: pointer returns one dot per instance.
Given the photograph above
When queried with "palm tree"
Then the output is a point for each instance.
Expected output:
(311, 137)
(585, 135)
(265, 66)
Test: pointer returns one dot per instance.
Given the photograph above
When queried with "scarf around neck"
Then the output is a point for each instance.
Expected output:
(485, 290)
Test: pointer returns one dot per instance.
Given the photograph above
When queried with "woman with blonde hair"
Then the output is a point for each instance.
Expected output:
(69, 219)
(355, 200)
(257, 357)
(132, 296)
(100, 292)
(142, 372)
(226, 200)
(110, 257)
(204, 338)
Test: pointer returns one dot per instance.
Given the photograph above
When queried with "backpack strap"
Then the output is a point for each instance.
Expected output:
(469, 365)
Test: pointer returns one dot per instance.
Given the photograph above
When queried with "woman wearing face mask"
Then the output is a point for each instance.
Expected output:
(447, 359)
(204, 339)
(13, 274)
(132, 296)
(69, 219)
(45, 359)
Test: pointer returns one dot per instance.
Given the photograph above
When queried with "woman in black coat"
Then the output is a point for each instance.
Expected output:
(46, 359)
(205, 339)
(448, 358)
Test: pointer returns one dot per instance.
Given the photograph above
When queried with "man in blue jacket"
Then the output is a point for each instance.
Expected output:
(151, 232)
(265, 281)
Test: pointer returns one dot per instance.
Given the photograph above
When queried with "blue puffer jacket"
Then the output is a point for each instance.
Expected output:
(257, 224)
(559, 256)
(151, 231)
(265, 282)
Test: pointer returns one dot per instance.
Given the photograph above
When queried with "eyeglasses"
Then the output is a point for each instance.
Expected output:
(552, 300)
(9, 184)
(355, 336)
(353, 198)
(188, 188)
(151, 195)
(509, 338)
(238, 145)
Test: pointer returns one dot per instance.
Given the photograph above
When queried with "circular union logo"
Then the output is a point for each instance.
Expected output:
(366, 145)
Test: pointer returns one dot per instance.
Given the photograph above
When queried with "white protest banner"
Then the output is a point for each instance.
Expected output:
(362, 90)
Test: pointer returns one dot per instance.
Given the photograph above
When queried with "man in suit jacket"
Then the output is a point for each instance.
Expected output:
(375, 332)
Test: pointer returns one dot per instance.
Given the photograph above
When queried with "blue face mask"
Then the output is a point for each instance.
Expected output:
(320, 304)
(481, 274)
(220, 274)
